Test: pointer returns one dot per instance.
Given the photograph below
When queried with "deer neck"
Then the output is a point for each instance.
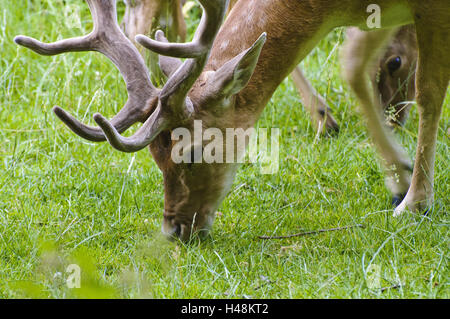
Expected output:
(290, 37)
(293, 29)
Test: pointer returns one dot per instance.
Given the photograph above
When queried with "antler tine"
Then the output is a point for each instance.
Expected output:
(108, 39)
(173, 96)
(179, 84)
(167, 64)
(154, 125)
(213, 14)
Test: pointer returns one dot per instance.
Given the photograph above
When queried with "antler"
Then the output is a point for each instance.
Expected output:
(174, 105)
(108, 39)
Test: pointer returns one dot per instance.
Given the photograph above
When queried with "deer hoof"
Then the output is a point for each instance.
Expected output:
(331, 125)
(397, 199)
(333, 130)
(415, 206)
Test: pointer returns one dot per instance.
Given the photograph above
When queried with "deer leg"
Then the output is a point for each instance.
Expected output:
(314, 103)
(138, 17)
(146, 17)
(358, 56)
(432, 79)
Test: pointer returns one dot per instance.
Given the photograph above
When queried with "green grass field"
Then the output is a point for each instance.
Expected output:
(64, 200)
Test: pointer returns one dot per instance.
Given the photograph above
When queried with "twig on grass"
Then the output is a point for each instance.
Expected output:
(391, 287)
(315, 232)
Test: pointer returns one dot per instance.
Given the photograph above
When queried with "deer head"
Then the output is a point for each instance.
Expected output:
(193, 191)
(396, 78)
(394, 74)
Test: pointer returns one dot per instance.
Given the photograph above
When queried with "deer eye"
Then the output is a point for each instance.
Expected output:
(394, 64)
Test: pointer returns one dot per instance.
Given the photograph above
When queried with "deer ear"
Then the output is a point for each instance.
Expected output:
(234, 75)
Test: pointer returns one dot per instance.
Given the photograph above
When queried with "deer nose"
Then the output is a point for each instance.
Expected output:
(173, 230)
(169, 229)
(177, 231)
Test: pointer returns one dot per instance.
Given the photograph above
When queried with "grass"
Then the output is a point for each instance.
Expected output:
(64, 200)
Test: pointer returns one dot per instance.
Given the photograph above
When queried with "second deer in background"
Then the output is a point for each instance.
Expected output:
(393, 77)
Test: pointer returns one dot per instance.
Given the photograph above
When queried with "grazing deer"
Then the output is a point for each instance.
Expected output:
(393, 79)
(228, 78)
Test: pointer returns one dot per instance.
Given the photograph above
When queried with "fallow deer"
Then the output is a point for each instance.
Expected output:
(395, 76)
(228, 78)
(393, 79)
